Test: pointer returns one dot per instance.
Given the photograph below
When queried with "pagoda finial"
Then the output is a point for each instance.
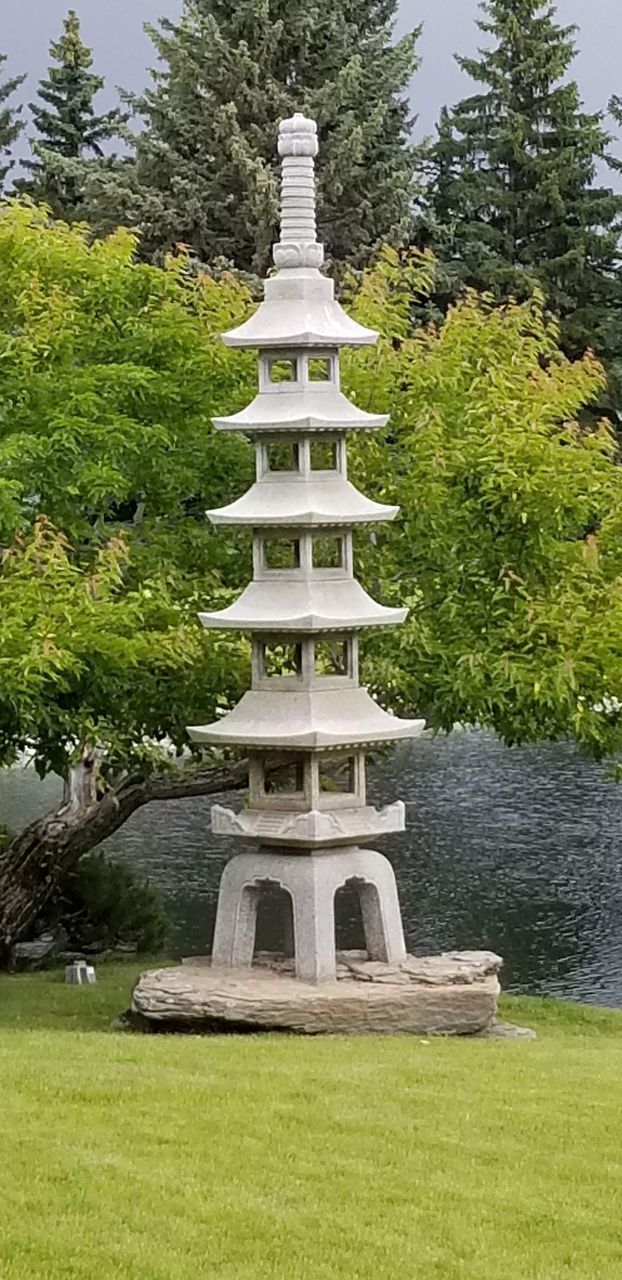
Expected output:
(298, 147)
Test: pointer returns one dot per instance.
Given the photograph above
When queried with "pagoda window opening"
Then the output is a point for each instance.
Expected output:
(281, 553)
(320, 369)
(337, 774)
(284, 369)
(328, 553)
(281, 660)
(323, 454)
(287, 780)
(283, 455)
(333, 658)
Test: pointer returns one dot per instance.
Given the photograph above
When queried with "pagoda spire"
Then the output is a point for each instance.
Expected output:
(298, 146)
(299, 307)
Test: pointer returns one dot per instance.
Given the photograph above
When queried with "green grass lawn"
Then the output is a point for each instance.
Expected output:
(170, 1158)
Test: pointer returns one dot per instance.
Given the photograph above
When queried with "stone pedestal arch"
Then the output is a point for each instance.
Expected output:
(311, 880)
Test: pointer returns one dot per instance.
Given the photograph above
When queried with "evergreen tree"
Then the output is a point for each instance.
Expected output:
(68, 127)
(10, 126)
(513, 198)
(204, 171)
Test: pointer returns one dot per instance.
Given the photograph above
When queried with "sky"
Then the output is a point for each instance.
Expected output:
(123, 53)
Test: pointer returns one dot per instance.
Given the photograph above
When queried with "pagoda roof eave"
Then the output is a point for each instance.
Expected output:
(299, 310)
(306, 410)
(304, 607)
(246, 338)
(309, 720)
(296, 426)
(299, 503)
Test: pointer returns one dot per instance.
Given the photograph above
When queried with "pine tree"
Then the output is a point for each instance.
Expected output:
(10, 126)
(513, 198)
(68, 127)
(204, 171)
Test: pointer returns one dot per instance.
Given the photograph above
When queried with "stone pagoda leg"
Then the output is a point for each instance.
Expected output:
(311, 880)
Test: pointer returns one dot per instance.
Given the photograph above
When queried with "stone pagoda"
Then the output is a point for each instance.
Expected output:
(306, 723)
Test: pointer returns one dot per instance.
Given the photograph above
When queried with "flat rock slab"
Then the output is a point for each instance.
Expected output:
(451, 994)
(507, 1031)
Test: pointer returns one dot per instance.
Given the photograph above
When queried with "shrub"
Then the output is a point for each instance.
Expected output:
(105, 904)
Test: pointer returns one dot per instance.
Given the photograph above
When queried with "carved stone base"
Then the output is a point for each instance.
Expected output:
(311, 881)
(451, 994)
(311, 829)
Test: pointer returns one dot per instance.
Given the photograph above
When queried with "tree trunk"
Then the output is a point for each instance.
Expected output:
(36, 861)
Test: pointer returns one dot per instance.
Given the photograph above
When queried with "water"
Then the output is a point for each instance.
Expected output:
(517, 850)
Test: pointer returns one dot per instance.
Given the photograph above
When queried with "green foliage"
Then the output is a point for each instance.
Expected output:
(205, 171)
(110, 373)
(66, 122)
(514, 200)
(105, 904)
(507, 549)
(10, 126)
(102, 903)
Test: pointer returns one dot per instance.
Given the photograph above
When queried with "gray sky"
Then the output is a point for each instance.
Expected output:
(123, 53)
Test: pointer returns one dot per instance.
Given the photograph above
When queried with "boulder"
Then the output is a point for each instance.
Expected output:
(451, 994)
(39, 951)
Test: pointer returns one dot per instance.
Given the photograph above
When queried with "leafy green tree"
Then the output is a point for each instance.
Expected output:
(507, 550)
(509, 545)
(68, 127)
(110, 373)
(10, 126)
(204, 170)
(514, 198)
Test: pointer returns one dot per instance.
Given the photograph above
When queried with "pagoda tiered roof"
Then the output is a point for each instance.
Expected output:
(310, 605)
(308, 409)
(299, 329)
(300, 310)
(275, 501)
(306, 719)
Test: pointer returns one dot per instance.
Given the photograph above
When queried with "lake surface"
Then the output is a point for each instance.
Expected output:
(515, 850)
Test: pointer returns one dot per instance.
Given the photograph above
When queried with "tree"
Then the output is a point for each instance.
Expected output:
(513, 198)
(509, 545)
(68, 127)
(110, 374)
(10, 126)
(507, 550)
(204, 170)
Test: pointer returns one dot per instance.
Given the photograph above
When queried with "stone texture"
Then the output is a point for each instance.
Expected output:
(306, 721)
(313, 829)
(308, 606)
(454, 994)
(80, 974)
(311, 880)
(303, 589)
(300, 410)
(31, 955)
(331, 502)
(449, 968)
(507, 1031)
